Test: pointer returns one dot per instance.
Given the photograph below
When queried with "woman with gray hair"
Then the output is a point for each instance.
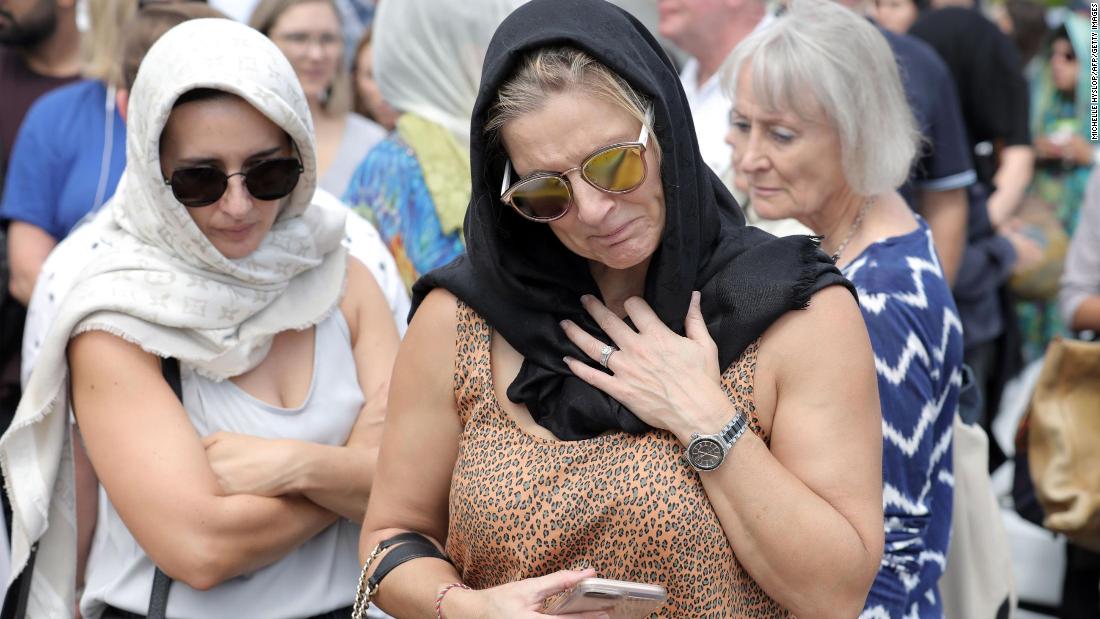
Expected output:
(821, 132)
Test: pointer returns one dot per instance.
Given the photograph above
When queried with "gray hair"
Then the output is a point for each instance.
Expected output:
(821, 57)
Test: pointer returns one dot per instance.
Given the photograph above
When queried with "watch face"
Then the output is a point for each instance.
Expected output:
(705, 454)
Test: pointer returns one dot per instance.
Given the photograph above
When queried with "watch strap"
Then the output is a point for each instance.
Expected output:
(735, 428)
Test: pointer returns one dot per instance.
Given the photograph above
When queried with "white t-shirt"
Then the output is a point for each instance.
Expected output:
(710, 109)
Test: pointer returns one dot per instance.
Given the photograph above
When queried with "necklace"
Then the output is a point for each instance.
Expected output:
(855, 227)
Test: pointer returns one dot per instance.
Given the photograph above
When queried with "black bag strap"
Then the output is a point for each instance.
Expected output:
(158, 597)
(15, 602)
(162, 583)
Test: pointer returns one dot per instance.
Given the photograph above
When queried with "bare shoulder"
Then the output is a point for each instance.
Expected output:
(360, 288)
(434, 328)
(363, 302)
(99, 353)
(830, 332)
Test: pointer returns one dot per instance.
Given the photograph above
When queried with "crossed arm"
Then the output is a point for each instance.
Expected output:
(175, 502)
(337, 478)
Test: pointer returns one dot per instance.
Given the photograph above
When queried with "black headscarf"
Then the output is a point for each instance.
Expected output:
(523, 281)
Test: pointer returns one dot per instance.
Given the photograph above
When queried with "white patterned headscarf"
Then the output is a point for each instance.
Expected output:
(428, 56)
(165, 287)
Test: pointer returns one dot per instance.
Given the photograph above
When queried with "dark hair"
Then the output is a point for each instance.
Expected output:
(358, 104)
(1029, 26)
(213, 94)
(147, 25)
(202, 94)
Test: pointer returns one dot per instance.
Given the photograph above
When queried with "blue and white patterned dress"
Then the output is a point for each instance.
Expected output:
(917, 340)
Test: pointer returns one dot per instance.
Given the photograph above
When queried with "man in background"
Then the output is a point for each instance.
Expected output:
(39, 51)
(708, 30)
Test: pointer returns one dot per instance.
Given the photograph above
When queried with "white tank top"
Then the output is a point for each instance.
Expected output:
(319, 575)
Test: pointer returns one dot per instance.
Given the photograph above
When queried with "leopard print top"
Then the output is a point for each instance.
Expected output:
(627, 505)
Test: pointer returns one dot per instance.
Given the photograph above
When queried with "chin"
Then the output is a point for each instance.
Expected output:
(626, 256)
(768, 209)
(314, 91)
(237, 251)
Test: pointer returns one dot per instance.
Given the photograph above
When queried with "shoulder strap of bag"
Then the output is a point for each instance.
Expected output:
(15, 602)
(162, 583)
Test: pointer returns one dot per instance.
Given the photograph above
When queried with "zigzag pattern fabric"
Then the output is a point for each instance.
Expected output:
(917, 341)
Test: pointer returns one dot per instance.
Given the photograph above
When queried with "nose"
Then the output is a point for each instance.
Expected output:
(315, 49)
(236, 202)
(748, 152)
(591, 204)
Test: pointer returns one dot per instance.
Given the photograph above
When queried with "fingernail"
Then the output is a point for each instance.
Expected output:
(585, 298)
(563, 324)
(567, 359)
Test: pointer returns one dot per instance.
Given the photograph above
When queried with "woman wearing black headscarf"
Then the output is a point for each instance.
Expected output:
(528, 458)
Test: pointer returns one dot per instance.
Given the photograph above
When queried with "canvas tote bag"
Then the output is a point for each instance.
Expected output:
(1064, 440)
(978, 577)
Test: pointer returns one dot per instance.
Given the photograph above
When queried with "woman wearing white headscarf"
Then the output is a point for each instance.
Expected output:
(415, 185)
(246, 493)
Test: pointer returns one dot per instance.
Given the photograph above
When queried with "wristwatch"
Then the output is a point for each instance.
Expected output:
(706, 452)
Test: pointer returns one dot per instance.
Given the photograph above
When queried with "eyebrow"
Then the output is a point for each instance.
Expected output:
(769, 118)
(200, 161)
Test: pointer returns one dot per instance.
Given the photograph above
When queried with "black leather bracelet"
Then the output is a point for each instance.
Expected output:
(410, 536)
(412, 546)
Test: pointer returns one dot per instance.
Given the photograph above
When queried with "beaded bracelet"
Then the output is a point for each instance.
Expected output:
(443, 592)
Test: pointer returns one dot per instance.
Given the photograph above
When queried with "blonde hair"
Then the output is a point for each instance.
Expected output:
(267, 12)
(820, 57)
(99, 47)
(555, 70)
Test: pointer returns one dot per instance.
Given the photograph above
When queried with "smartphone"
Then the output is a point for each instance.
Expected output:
(620, 598)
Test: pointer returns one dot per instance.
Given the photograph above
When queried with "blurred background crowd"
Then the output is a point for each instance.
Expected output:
(1001, 93)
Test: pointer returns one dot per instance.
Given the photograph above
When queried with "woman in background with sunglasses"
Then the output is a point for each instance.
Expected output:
(221, 257)
(621, 378)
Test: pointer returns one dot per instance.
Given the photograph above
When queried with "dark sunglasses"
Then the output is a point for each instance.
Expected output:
(546, 196)
(204, 185)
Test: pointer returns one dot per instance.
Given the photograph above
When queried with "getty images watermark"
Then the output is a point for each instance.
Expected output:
(1094, 78)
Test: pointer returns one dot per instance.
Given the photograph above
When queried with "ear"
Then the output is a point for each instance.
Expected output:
(122, 102)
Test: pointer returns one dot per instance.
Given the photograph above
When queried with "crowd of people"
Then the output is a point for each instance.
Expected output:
(517, 293)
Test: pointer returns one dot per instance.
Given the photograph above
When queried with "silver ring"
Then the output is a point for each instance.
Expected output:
(606, 352)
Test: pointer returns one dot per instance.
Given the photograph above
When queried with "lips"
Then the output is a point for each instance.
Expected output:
(236, 233)
(615, 235)
(312, 75)
(763, 191)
